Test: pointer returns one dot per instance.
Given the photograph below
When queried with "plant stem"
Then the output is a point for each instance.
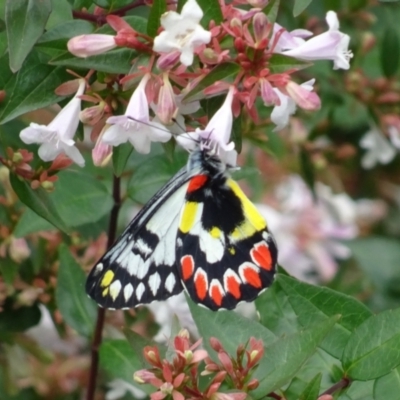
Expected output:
(112, 229)
(343, 383)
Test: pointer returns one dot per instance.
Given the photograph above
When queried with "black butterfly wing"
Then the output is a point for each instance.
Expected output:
(225, 254)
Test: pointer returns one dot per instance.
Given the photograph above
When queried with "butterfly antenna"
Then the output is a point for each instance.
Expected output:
(148, 124)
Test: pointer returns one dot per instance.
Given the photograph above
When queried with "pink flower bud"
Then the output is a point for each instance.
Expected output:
(166, 107)
(268, 94)
(168, 60)
(92, 115)
(90, 45)
(302, 96)
(261, 28)
(101, 153)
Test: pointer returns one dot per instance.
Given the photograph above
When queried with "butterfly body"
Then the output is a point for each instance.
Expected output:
(199, 233)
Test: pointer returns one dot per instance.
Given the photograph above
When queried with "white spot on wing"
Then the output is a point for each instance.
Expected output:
(143, 247)
(265, 235)
(212, 247)
(98, 269)
(170, 282)
(247, 265)
(128, 290)
(216, 282)
(115, 288)
(230, 273)
(140, 290)
(154, 282)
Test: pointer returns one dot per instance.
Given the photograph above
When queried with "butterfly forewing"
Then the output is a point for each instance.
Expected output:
(140, 267)
(225, 253)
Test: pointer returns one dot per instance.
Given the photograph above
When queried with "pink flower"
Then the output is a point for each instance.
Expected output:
(135, 125)
(295, 94)
(330, 45)
(310, 232)
(90, 45)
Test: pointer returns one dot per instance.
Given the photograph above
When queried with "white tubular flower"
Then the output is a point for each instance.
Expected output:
(57, 137)
(216, 134)
(330, 45)
(135, 125)
(378, 149)
(281, 113)
(182, 33)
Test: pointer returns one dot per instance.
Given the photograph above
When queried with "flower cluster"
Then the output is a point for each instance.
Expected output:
(180, 57)
(179, 377)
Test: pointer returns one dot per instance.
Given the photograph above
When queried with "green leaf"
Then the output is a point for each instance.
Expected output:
(117, 61)
(18, 319)
(388, 387)
(152, 174)
(157, 9)
(212, 12)
(119, 359)
(54, 41)
(223, 324)
(279, 63)
(271, 11)
(284, 357)
(120, 157)
(385, 252)
(276, 312)
(312, 390)
(390, 51)
(30, 222)
(77, 309)
(359, 391)
(80, 198)
(220, 72)
(61, 12)
(300, 6)
(373, 349)
(313, 304)
(29, 89)
(25, 21)
(138, 343)
(39, 201)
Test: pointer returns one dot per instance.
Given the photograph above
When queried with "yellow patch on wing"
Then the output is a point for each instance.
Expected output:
(215, 232)
(253, 221)
(107, 278)
(104, 293)
(188, 216)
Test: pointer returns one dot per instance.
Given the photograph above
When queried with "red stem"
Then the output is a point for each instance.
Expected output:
(112, 229)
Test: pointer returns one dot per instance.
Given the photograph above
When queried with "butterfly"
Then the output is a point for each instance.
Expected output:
(199, 233)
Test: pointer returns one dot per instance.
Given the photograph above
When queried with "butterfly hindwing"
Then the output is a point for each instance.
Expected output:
(140, 266)
(225, 253)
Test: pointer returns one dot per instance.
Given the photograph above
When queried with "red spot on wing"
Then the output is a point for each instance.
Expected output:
(216, 294)
(251, 276)
(233, 287)
(262, 256)
(187, 264)
(197, 182)
(200, 284)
